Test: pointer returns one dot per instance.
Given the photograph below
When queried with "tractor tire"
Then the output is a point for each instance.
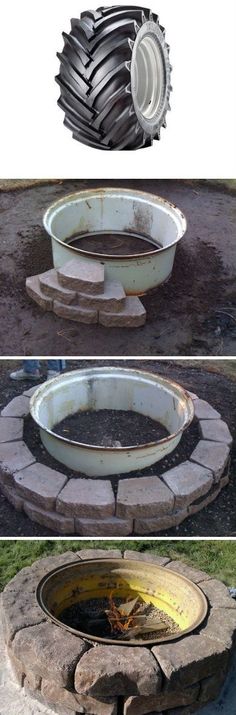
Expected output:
(115, 78)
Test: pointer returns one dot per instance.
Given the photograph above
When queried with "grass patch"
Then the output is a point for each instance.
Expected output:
(217, 558)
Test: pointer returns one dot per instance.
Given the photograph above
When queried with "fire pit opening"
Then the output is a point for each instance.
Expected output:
(65, 407)
(122, 602)
(119, 243)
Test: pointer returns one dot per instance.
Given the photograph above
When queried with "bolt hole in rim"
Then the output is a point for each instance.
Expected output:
(149, 77)
(110, 388)
(119, 210)
(78, 581)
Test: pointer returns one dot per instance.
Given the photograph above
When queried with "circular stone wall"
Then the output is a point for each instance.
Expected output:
(74, 675)
(88, 506)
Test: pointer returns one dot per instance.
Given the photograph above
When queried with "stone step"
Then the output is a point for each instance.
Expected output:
(82, 276)
(131, 315)
(51, 287)
(35, 292)
(75, 312)
(112, 298)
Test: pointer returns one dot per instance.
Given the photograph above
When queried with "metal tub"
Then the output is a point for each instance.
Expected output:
(122, 210)
(77, 582)
(110, 388)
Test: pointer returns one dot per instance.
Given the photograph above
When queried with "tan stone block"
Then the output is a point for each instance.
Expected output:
(143, 496)
(17, 667)
(82, 276)
(116, 671)
(204, 411)
(11, 429)
(81, 703)
(111, 526)
(75, 312)
(193, 574)
(15, 456)
(18, 407)
(34, 291)
(221, 626)
(39, 484)
(131, 315)
(150, 558)
(11, 495)
(85, 554)
(32, 681)
(50, 519)
(215, 430)
(187, 661)
(218, 594)
(51, 287)
(112, 298)
(157, 703)
(167, 521)
(86, 498)
(213, 455)
(188, 481)
(208, 499)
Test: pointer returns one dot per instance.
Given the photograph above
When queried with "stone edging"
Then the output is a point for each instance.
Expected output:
(75, 676)
(88, 507)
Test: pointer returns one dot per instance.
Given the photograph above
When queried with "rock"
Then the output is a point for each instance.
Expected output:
(163, 701)
(188, 481)
(18, 407)
(81, 703)
(143, 497)
(82, 276)
(215, 430)
(86, 498)
(213, 455)
(48, 650)
(116, 671)
(40, 484)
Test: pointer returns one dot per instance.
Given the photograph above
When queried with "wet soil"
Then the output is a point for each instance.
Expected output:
(194, 313)
(90, 618)
(110, 428)
(115, 243)
(218, 519)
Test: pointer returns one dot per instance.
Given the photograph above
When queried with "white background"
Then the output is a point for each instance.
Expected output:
(199, 141)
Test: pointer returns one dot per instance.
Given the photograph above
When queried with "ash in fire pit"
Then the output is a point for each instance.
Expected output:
(114, 243)
(113, 618)
(110, 428)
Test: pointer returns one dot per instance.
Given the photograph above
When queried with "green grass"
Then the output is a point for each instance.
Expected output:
(218, 558)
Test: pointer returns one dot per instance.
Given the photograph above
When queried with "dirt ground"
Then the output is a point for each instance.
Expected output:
(193, 314)
(219, 518)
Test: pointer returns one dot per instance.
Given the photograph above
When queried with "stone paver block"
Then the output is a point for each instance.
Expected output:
(143, 496)
(50, 519)
(85, 554)
(81, 703)
(11, 428)
(208, 499)
(111, 526)
(17, 668)
(187, 661)
(32, 681)
(193, 574)
(211, 687)
(150, 558)
(218, 594)
(18, 407)
(156, 703)
(34, 291)
(215, 430)
(12, 496)
(213, 455)
(46, 649)
(147, 526)
(117, 671)
(131, 315)
(54, 708)
(86, 498)
(82, 276)
(51, 287)
(40, 484)
(15, 456)
(75, 312)
(188, 481)
(19, 611)
(221, 626)
(32, 390)
(112, 297)
(204, 411)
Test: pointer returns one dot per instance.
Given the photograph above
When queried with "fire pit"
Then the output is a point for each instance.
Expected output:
(116, 214)
(72, 673)
(110, 388)
(136, 586)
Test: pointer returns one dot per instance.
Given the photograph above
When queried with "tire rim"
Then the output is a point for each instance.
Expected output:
(149, 77)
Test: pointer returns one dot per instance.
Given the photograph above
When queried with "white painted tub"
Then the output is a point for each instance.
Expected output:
(108, 209)
(110, 388)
